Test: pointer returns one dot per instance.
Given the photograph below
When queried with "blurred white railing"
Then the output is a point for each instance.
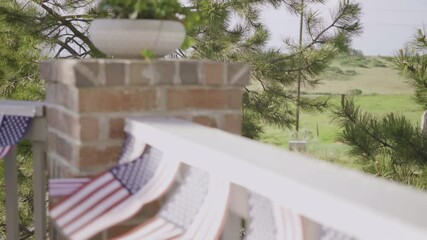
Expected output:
(362, 206)
(37, 134)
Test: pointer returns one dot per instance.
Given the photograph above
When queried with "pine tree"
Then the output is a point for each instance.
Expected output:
(31, 29)
(391, 146)
(19, 80)
(63, 24)
(275, 74)
(18, 60)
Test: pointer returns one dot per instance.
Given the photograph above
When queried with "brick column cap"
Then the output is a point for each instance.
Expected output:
(122, 72)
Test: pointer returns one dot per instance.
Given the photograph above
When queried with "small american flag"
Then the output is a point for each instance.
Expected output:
(60, 187)
(12, 129)
(103, 194)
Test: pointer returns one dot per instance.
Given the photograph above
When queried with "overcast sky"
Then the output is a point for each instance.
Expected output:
(387, 24)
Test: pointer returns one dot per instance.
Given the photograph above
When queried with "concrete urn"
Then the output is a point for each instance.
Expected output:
(127, 38)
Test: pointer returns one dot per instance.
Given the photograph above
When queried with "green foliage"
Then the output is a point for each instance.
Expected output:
(390, 142)
(148, 54)
(224, 38)
(230, 31)
(370, 135)
(18, 62)
(335, 70)
(411, 63)
(60, 25)
(19, 52)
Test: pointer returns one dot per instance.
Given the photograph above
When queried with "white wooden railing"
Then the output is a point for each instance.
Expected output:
(37, 134)
(352, 202)
(362, 206)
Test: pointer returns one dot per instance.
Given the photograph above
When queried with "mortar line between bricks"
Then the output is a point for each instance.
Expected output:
(94, 143)
(103, 143)
(62, 161)
(166, 86)
(75, 171)
(63, 109)
(176, 113)
(63, 135)
(95, 170)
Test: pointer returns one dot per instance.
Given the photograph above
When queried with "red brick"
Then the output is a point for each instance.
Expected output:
(113, 99)
(232, 123)
(206, 121)
(52, 116)
(65, 149)
(89, 128)
(63, 122)
(66, 96)
(50, 92)
(51, 141)
(69, 124)
(204, 99)
(91, 156)
(214, 73)
(116, 128)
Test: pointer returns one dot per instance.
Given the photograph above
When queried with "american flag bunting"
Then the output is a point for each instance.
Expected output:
(195, 209)
(60, 187)
(12, 129)
(114, 196)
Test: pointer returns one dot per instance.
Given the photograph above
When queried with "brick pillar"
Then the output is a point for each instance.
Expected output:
(90, 99)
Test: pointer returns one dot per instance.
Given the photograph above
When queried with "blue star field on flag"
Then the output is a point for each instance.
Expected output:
(12, 129)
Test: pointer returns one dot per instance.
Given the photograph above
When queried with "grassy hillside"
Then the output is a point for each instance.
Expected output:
(372, 75)
(382, 91)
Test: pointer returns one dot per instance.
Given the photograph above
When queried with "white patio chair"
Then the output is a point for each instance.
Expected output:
(195, 209)
(115, 195)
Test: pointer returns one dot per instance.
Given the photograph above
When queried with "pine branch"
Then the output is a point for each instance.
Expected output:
(94, 51)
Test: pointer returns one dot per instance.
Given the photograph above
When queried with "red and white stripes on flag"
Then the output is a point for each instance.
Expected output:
(194, 210)
(59, 187)
(95, 199)
(114, 196)
(268, 220)
(289, 224)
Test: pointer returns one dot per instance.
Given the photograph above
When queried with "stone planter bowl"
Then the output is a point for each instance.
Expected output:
(126, 38)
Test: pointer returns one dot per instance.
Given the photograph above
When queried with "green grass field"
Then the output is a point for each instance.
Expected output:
(383, 91)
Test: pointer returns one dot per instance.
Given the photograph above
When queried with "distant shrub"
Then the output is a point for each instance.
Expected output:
(362, 65)
(381, 65)
(350, 72)
(354, 92)
(355, 52)
(378, 63)
(336, 70)
(387, 58)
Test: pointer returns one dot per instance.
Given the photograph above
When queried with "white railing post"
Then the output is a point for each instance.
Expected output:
(39, 188)
(238, 209)
(11, 178)
(37, 135)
